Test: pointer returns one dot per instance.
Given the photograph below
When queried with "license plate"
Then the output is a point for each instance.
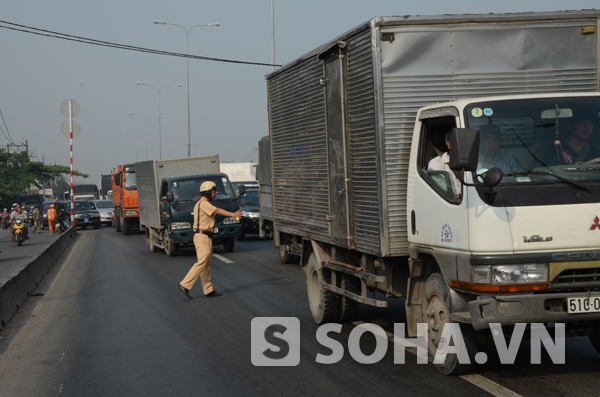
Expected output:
(86, 221)
(584, 305)
(215, 230)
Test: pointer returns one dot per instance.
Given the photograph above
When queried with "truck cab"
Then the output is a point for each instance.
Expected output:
(519, 240)
(179, 196)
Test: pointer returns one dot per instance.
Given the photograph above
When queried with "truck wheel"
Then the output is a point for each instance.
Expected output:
(324, 304)
(436, 301)
(170, 248)
(149, 241)
(117, 222)
(349, 307)
(284, 256)
(229, 244)
(125, 227)
(595, 339)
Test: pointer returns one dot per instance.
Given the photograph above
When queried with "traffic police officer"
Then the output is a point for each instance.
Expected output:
(204, 221)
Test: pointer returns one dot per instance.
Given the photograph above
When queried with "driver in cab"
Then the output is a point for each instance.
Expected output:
(489, 155)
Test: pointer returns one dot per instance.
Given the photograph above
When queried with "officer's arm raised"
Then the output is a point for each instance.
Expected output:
(221, 211)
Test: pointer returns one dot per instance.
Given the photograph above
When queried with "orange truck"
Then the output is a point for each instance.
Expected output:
(125, 199)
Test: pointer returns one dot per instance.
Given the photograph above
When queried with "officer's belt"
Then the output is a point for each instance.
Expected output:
(209, 234)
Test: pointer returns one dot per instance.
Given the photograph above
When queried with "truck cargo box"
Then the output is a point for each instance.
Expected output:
(342, 116)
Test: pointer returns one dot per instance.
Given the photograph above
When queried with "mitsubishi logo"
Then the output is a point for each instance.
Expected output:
(596, 224)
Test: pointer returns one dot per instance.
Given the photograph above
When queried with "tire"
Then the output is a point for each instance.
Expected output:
(436, 301)
(125, 227)
(595, 339)
(83, 227)
(19, 240)
(285, 257)
(229, 244)
(324, 304)
(97, 226)
(117, 222)
(348, 307)
(170, 248)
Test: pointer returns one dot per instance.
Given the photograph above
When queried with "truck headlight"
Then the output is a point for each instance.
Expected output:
(231, 220)
(250, 214)
(180, 225)
(77, 216)
(510, 274)
(131, 213)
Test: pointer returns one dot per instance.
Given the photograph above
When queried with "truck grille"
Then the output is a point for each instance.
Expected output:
(577, 279)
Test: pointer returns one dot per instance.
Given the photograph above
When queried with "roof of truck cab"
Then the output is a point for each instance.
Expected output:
(439, 19)
(178, 178)
(464, 102)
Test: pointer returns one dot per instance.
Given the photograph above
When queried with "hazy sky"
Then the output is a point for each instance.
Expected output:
(228, 101)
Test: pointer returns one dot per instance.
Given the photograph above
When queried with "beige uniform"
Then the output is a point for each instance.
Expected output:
(204, 219)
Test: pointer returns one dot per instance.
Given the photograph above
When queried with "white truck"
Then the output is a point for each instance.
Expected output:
(354, 125)
(240, 173)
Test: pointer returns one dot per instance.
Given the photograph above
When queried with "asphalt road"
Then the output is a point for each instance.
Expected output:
(112, 323)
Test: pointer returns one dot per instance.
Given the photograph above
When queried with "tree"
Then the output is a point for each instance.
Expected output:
(17, 173)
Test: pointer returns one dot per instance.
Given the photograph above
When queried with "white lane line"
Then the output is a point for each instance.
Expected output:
(490, 386)
(222, 258)
(478, 380)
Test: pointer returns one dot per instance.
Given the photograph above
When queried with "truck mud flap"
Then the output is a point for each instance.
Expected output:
(356, 272)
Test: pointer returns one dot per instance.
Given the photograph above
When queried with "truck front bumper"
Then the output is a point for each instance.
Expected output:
(508, 310)
(186, 236)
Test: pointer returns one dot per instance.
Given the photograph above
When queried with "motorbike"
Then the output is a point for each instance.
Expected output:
(62, 222)
(19, 228)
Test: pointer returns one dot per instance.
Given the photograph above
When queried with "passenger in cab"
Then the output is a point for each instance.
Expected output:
(489, 155)
(576, 149)
(440, 163)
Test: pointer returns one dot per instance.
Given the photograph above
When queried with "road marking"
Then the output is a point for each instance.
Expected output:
(222, 258)
(478, 380)
(490, 386)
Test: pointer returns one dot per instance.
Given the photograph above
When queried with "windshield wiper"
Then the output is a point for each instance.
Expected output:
(567, 181)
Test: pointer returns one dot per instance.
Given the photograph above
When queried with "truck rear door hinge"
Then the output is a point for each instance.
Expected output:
(388, 37)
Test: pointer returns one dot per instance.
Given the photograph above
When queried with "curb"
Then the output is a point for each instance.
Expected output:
(25, 280)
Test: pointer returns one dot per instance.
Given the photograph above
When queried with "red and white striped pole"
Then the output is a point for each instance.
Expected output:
(71, 144)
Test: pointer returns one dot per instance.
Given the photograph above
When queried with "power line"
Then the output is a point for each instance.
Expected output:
(63, 36)
(7, 132)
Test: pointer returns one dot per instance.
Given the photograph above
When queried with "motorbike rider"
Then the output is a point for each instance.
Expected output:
(19, 215)
(5, 217)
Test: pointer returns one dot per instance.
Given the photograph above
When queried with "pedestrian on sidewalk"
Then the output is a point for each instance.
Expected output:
(51, 216)
(204, 221)
(37, 220)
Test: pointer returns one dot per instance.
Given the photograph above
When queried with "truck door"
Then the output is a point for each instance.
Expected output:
(334, 82)
(437, 209)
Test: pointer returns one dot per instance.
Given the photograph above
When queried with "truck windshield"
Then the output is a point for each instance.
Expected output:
(130, 181)
(189, 189)
(250, 198)
(559, 136)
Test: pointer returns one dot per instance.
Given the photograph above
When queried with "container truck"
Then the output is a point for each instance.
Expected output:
(240, 173)
(105, 186)
(169, 190)
(354, 125)
(125, 199)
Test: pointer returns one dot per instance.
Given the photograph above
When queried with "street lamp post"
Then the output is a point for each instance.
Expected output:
(146, 132)
(159, 113)
(187, 38)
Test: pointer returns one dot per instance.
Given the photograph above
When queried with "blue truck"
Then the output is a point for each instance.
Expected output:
(168, 190)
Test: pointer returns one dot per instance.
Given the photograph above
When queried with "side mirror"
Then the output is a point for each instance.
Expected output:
(464, 149)
(170, 197)
(242, 189)
(118, 179)
(491, 177)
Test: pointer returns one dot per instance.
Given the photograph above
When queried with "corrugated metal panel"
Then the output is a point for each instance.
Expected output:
(363, 146)
(299, 150)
